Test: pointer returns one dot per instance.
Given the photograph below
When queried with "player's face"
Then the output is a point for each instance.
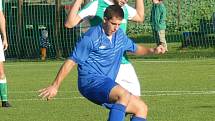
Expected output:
(120, 2)
(112, 25)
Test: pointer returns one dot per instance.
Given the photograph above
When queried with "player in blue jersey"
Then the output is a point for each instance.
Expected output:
(94, 12)
(98, 54)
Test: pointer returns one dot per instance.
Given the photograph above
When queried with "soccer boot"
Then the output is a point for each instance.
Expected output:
(6, 104)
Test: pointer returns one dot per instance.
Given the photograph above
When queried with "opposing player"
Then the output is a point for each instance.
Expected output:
(94, 11)
(98, 54)
(3, 47)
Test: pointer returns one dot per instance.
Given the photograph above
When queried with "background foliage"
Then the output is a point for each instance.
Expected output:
(182, 15)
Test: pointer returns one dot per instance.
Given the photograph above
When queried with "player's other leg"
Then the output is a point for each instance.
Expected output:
(133, 104)
(127, 78)
(120, 99)
(3, 87)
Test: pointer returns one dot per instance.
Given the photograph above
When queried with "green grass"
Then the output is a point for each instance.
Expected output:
(174, 90)
(176, 52)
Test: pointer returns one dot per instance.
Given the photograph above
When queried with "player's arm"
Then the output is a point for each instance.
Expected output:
(73, 18)
(51, 90)
(139, 17)
(3, 30)
(142, 50)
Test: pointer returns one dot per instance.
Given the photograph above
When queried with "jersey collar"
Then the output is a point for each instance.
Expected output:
(109, 2)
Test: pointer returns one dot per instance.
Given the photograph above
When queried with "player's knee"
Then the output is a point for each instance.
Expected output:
(124, 97)
(142, 109)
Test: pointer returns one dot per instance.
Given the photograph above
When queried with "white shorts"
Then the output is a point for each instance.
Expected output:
(127, 78)
(2, 58)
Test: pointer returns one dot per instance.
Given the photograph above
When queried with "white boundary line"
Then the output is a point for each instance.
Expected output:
(132, 60)
(145, 91)
(170, 61)
(157, 93)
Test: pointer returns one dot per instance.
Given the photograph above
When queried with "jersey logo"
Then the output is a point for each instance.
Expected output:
(102, 47)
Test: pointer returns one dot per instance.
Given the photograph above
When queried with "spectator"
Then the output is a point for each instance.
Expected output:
(44, 44)
(158, 22)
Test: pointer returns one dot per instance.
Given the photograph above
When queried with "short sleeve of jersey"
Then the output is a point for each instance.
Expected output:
(131, 12)
(89, 9)
(1, 5)
(129, 45)
(82, 50)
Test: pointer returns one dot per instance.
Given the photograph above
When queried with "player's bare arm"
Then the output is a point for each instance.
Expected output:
(3, 30)
(142, 50)
(73, 18)
(52, 90)
(139, 17)
(5, 43)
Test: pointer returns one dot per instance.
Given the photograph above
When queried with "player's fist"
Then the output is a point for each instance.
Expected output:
(160, 49)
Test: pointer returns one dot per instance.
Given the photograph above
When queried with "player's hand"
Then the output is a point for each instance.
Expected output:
(5, 44)
(48, 93)
(160, 49)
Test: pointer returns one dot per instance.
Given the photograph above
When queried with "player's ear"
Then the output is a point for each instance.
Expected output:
(105, 20)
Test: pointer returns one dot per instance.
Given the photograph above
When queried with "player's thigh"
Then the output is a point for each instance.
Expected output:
(120, 95)
(97, 89)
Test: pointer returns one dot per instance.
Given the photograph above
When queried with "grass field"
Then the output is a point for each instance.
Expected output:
(175, 90)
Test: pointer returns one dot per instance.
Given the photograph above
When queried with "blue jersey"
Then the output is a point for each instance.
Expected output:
(96, 55)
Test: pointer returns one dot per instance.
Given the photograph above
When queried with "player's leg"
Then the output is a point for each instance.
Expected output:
(102, 90)
(127, 78)
(3, 81)
(3, 87)
(138, 108)
(130, 82)
(120, 97)
(133, 104)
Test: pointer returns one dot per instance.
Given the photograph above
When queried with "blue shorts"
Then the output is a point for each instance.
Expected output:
(97, 89)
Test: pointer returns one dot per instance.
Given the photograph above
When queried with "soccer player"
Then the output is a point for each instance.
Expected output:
(3, 47)
(94, 11)
(98, 55)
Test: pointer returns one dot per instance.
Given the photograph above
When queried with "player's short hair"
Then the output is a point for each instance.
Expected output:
(113, 11)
